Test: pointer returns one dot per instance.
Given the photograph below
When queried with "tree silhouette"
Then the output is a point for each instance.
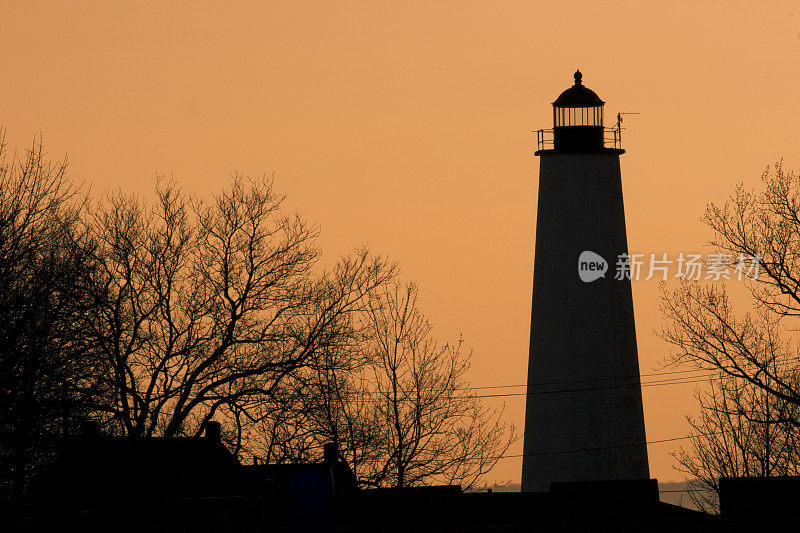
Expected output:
(153, 319)
(751, 417)
(201, 309)
(45, 367)
(396, 402)
(740, 432)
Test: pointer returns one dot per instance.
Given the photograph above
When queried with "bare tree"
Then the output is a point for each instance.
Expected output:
(701, 323)
(202, 309)
(398, 404)
(434, 428)
(750, 418)
(45, 368)
(156, 319)
(741, 431)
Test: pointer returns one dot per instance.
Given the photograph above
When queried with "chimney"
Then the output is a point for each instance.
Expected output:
(331, 453)
(213, 431)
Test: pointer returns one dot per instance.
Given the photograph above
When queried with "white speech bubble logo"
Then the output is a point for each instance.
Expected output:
(591, 266)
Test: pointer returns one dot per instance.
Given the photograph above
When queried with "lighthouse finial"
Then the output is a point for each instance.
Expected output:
(578, 77)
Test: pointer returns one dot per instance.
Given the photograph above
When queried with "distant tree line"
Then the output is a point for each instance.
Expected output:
(152, 319)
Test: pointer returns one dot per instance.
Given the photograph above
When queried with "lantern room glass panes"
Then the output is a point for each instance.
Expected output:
(578, 116)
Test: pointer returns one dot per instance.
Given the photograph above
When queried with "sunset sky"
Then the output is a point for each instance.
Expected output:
(410, 126)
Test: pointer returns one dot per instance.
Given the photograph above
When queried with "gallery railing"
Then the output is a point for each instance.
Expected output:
(612, 138)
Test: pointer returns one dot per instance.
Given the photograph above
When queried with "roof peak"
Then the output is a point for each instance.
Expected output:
(578, 95)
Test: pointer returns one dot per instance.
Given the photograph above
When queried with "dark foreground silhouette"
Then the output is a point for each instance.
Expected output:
(194, 484)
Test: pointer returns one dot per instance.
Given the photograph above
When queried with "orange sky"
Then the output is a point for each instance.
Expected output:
(407, 125)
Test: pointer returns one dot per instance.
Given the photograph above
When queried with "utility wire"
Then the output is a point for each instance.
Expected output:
(658, 383)
(686, 490)
(592, 379)
(597, 448)
(376, 396)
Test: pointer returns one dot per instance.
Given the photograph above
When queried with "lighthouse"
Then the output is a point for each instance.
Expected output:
(583, 417)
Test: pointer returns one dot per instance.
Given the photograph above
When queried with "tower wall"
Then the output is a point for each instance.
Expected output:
(584, 419)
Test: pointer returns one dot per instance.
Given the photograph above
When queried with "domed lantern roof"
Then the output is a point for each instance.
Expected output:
(578, 95)
(578, 106)
(578, 119)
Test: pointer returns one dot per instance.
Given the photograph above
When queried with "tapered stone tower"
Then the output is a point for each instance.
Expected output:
(584, 419)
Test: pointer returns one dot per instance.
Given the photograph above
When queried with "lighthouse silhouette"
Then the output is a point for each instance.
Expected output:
(584, 418)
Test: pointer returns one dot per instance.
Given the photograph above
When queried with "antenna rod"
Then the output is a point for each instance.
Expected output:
(619, 122)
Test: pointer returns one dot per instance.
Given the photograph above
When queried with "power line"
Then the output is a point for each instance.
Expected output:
(591, 379)
(686, 490)
(613, 446)
(703, 372)
(658, 383)
(376, 396)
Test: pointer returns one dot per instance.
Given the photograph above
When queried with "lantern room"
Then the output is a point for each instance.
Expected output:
(578, 119)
